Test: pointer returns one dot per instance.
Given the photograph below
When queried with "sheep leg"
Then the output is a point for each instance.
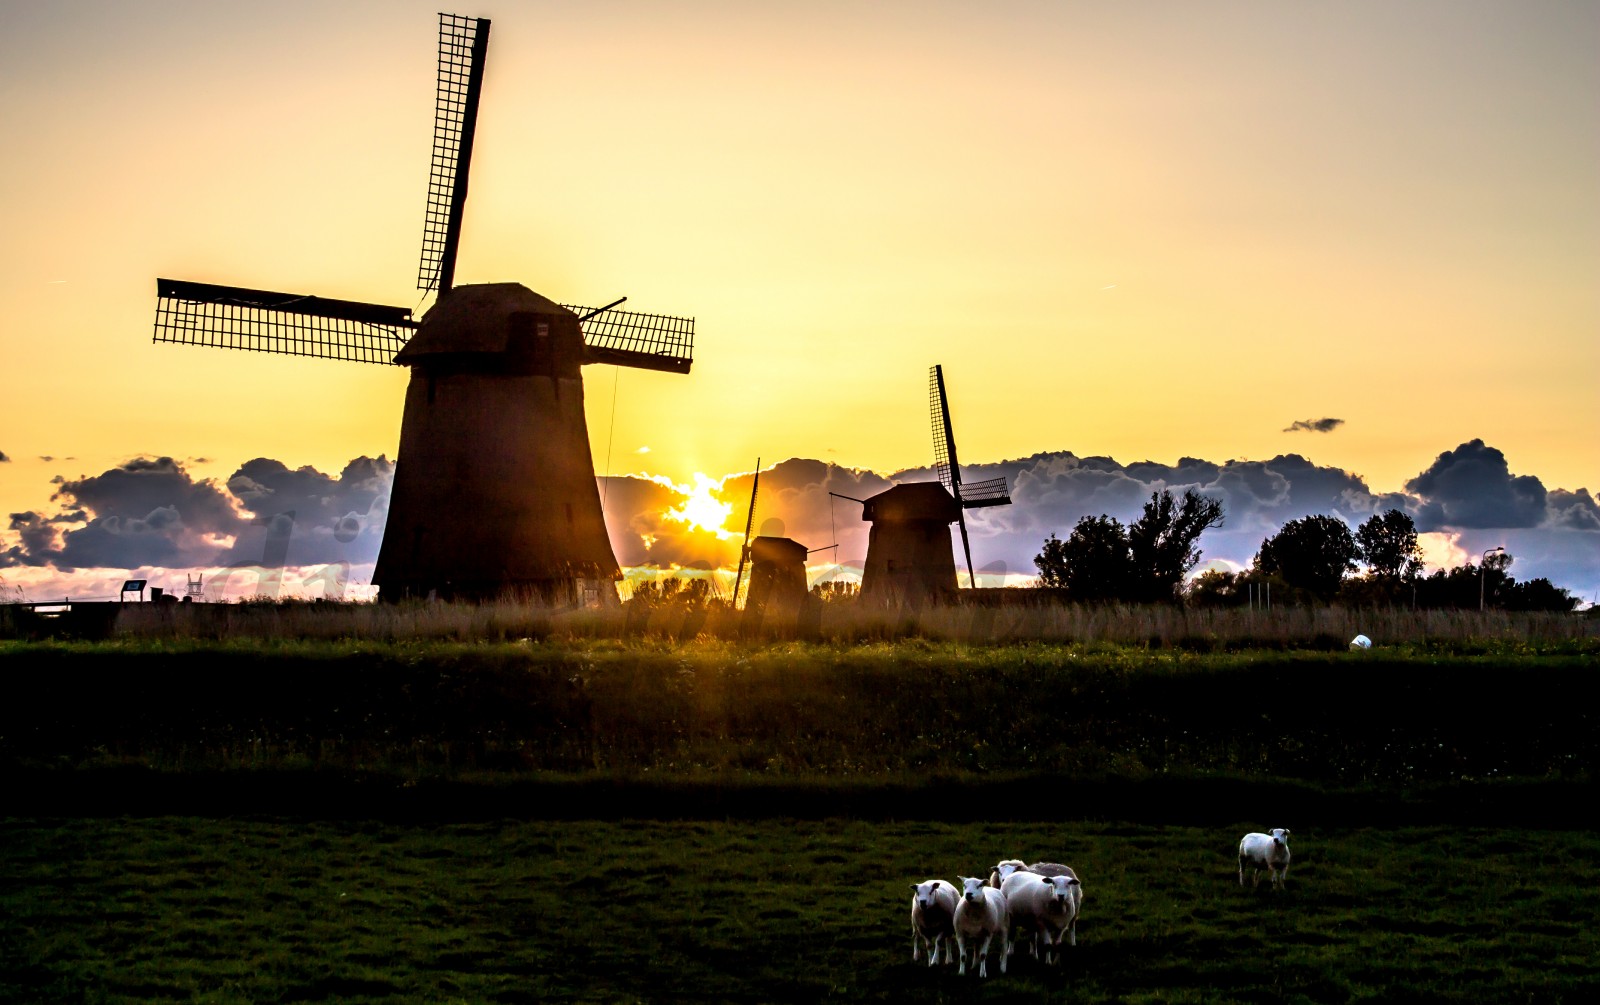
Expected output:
(1241, 870)
(1005, 948)
(983, 955)
(961, 951)
(916, 942)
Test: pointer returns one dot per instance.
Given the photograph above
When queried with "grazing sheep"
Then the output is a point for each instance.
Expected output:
(1045, 906)
(933, 919)
(1265, 851)
(980, 916)
(1051, 869)
(1004, 868)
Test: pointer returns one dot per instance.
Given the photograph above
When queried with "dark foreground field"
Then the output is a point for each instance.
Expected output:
(187, 909)
(612, 821)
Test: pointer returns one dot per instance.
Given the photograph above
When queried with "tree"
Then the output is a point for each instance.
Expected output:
(1312, 554)
(1092, 564)
(1162, 543)
(1388, 544)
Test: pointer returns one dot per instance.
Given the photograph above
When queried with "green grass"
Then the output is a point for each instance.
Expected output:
(188, 909)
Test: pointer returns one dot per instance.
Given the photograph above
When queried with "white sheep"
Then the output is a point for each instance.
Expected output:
(933, 918)
(1004, 868)
(1265, 851)
(980, 916)
(1045, 906)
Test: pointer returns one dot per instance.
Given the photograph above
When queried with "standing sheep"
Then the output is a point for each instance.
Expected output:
(933, 918)
(1265, 851)
(1004, 868)
(980, 916)
(1046, 906)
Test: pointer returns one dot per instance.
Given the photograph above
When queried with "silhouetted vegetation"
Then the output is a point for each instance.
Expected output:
(1308, 561)
(1101, 561)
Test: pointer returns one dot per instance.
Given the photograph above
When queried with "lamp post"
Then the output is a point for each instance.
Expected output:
(1481, 563)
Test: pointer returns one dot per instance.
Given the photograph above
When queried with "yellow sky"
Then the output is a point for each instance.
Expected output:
(1142, 230)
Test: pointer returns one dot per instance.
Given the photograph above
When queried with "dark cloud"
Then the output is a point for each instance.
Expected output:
(150, 512)
(1314, 425)
(1572, 510)
(1472, 486)
(323, 518)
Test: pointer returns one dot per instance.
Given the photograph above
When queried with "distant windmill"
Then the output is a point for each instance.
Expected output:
(909, 555)
(777, 569)
(494, 488)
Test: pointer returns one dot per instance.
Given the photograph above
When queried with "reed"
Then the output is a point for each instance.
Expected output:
(1028, 619)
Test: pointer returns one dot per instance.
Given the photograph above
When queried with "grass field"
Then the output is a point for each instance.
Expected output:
(619, 820)
(255, 910)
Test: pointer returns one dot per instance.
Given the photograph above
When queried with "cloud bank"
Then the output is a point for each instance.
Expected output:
(151, 513)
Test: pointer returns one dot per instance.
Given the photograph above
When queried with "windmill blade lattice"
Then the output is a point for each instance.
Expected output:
(463, 44)
(231, 317)
(644, 341)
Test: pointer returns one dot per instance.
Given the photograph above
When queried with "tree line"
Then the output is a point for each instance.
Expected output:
(1315, 559)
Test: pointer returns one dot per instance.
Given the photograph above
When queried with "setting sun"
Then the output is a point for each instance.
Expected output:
(702, 510)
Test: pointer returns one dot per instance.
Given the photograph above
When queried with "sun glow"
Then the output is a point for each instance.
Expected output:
(701, 509)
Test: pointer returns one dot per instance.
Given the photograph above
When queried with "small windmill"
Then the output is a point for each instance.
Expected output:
(494, 490)
(909, 555)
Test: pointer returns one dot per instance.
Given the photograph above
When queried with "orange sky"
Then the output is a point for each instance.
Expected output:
(1143, 230)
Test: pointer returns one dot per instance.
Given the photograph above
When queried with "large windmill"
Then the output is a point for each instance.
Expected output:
(909, 557)
(494, 488)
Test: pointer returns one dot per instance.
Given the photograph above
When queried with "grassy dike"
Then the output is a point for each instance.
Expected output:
(553, 728)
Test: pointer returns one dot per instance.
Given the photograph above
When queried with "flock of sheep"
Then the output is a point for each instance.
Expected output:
(1039, 901)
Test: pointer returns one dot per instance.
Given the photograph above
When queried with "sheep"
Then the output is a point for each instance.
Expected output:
(1004, 868)
(1051, 869)
(981, 915)
(1045, 906)
(1265, 851)
(933, 915)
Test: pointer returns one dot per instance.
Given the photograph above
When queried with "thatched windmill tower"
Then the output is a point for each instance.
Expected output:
(494, 486)
(910, 559)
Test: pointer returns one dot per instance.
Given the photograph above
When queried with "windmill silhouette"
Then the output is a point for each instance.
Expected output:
(909, 556)
(494, 488)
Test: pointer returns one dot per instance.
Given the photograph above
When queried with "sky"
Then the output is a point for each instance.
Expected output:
(1365, 236)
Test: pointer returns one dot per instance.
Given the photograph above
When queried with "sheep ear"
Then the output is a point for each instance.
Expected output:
(1073, 882)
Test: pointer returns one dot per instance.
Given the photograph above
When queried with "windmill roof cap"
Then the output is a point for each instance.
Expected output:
(475, 319)
(912, 501)
(777, 549)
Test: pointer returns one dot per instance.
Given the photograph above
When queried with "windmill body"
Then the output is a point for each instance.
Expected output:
(909, 556)
(494, 492)
(777, 579)
(494, 489)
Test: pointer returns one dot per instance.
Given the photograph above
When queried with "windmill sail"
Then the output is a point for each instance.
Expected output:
(644, 341)
(990, 492)
(463, 45)
(231, 317)
(749, 522)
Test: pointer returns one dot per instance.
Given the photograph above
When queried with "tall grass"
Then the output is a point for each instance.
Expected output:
(1203, 629)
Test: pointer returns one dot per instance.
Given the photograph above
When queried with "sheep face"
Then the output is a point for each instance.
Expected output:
(1280, 836)
(972, 889)
(1060, 888)
(1004, 868)
(928, 893)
